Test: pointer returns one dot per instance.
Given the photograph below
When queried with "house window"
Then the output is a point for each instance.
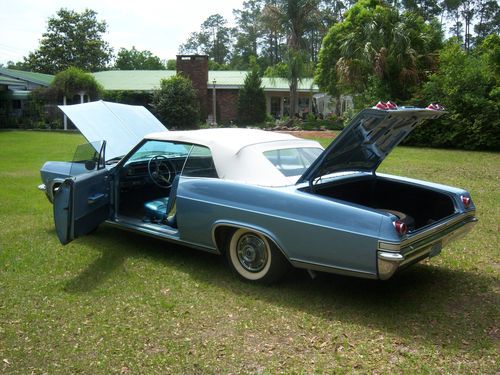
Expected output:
(276, 106)
(303, 104)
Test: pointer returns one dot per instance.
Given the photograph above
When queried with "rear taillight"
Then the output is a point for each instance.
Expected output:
(386, 105)
(435, 107)
(391, 105)
(465, 201)
(400, 227)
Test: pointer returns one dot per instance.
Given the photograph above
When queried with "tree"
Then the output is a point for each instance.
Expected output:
(248, 33)
(272, 33)
(467, 85)
(176, 104)
(489, 20)
(296, 17)
(72, 39)
(213, 39)
(70, 83)
(251, 99)
(328, 13)
(137, 60)
(279, 70)
(74, 81)
(171, 64)
(484, 15)
(18, 65)
(379, 49)
(427, 9)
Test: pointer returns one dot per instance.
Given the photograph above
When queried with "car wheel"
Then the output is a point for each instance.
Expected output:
(254, 258)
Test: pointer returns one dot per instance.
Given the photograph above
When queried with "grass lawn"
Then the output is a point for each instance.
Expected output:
(116, 302)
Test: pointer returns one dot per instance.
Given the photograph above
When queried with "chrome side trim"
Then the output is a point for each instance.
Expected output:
(330, 269)
(167, 236)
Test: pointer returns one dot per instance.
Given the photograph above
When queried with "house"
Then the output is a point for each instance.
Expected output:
(15, 86)
(217, 91)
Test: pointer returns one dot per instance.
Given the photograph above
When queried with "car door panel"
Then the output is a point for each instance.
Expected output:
(81, 204)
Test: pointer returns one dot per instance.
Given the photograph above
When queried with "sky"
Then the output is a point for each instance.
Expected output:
(159, 26)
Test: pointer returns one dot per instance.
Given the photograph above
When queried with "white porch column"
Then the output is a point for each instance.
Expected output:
(65, 118)
(214, 104)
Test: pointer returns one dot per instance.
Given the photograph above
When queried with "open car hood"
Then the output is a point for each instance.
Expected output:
(122, 126)
(367, 140)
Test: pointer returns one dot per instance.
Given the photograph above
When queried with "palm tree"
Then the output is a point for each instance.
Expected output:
(385, 50)
(296, 17)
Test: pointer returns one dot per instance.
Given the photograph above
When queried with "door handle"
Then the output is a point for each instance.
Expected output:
(94, 198)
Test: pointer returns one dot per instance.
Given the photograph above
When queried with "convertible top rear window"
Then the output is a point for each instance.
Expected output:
(293, 161)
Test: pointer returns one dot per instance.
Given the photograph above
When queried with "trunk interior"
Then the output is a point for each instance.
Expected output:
(422, 206)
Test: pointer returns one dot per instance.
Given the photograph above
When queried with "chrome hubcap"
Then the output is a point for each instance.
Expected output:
(252, 252)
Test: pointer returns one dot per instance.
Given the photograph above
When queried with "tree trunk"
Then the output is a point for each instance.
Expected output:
(293, 97)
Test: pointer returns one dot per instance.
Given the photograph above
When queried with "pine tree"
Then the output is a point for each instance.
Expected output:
(252, 100)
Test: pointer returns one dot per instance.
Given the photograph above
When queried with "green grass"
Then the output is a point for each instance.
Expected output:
(116, 302)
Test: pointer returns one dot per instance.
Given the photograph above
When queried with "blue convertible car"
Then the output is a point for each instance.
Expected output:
(266, 200)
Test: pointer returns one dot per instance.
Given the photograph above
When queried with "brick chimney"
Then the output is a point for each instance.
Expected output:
(195, 67)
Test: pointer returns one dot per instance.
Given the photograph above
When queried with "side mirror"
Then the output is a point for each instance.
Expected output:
(90, 165)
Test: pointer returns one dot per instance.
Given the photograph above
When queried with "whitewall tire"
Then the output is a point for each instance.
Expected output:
(254, 258)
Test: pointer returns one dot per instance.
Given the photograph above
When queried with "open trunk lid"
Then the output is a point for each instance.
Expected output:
(367, 140)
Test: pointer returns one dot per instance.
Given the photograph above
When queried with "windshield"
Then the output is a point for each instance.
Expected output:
(153, 148)
(293, 161)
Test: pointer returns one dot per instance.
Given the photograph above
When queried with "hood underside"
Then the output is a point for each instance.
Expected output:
(367, 140)
(122, 126)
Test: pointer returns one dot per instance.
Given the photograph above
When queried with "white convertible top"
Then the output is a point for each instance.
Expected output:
(238, 153)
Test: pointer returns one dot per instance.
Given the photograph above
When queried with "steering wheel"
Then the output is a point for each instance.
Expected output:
(161, 170)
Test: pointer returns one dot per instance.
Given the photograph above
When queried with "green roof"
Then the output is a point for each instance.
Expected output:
(132, 80)
(38, 78)
(149, 80)
(10, 81)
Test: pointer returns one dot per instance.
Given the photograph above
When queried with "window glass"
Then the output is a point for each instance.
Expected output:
(85, 158)
(154, 148)
(199, 163)
(293, 161)
(16, 104)
(303, 103)
(276, 106)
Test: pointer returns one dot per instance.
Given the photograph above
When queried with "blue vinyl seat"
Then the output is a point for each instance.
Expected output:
(164, 209)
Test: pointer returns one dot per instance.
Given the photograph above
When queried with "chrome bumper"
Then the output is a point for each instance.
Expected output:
(393, 256)
(42, 187)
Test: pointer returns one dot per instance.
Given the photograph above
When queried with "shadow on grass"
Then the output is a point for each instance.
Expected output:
(442, 306)
(97, 272)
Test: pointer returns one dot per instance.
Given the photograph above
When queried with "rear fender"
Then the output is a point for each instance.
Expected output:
(237, 225)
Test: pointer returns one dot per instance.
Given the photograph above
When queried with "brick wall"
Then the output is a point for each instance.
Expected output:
(196, 68)
(227, 105)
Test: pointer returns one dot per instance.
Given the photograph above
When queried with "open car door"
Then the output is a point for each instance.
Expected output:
(82, 202)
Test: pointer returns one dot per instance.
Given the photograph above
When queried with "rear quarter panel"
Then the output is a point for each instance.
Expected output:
(307, 228)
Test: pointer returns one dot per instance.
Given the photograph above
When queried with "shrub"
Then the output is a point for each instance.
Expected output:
(466, 84)
(175, 103)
